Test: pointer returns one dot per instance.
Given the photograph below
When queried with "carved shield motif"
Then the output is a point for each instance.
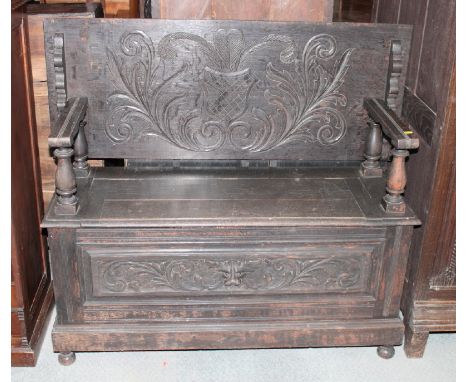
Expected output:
(225, 94)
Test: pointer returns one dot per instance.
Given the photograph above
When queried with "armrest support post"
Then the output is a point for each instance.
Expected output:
(402, 139)
(393, 202)
(65, 183)
(80, 148)
(68, 133)
(370, 168)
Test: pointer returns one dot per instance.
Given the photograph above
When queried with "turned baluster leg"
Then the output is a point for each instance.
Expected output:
(65, 183)
(80, 148)
(393, 201)
(371, 167)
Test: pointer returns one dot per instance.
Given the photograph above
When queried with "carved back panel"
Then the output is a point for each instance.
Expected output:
(167, 89)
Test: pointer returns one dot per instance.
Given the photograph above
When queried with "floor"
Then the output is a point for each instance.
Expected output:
(317, 365)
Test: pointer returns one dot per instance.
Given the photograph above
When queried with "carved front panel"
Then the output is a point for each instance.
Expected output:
(145, 273)
(228, 90)
(230, 273)
(244, 274)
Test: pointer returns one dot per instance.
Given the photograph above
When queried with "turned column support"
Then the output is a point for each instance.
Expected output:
(393, 201)
(80, 148)
(370, 168)
(65, 183)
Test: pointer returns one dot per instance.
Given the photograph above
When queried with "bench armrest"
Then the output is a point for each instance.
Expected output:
(400, 133)
(68, 123)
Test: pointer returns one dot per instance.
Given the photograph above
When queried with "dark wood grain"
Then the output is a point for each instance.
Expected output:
(432, 75)
(413, 13)
(388, 11)
(357, 11)
(420, 117)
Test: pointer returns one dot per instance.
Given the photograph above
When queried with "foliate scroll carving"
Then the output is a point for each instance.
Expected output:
(446, 279)
(59, 69)
(394, 74)
(255, 274)
(310, 89)
(197, 94)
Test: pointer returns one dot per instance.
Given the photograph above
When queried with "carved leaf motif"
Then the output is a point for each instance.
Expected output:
(204, 98)
(140, 100)
(308, 96)
(244, 274)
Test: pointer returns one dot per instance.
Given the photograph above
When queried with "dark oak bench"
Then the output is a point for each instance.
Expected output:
(258, 207)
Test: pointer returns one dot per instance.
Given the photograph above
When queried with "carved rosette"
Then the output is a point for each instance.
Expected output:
(197, 94)
(259, 274)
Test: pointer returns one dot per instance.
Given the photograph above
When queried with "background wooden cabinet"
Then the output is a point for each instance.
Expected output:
(32, 169)
(31, 292)
(277, 10)
(429, 105)
(112, 8)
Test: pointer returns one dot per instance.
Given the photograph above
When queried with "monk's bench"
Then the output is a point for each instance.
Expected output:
(258, 206)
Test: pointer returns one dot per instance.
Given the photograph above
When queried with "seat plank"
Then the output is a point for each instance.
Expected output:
(153, 198)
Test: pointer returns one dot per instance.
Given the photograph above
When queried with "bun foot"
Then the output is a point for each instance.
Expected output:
(66, 359)
(386, 352)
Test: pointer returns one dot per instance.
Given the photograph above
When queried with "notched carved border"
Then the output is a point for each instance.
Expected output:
(59, 70)
(394, 74)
